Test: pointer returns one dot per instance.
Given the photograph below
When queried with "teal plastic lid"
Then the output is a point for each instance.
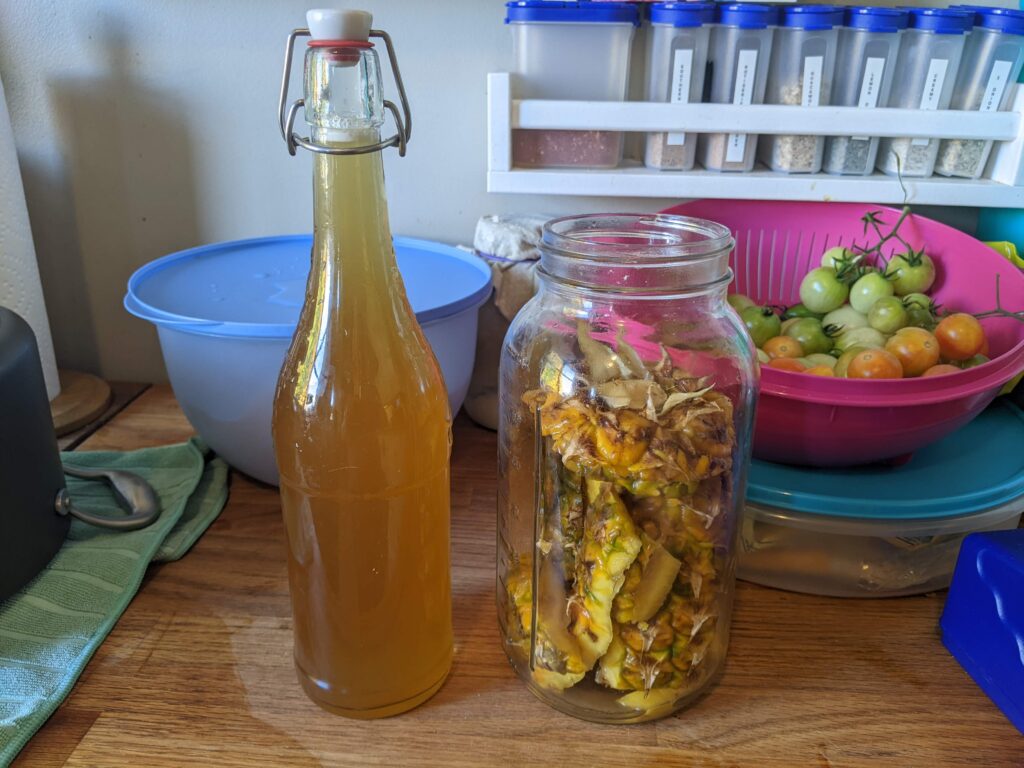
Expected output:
(978, 467)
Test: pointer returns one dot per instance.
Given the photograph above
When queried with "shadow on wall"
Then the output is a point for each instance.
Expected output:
(124, 194)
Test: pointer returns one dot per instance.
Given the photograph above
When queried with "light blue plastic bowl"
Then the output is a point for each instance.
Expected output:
(225, 314)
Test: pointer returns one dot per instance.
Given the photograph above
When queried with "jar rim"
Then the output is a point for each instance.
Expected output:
(635, 239)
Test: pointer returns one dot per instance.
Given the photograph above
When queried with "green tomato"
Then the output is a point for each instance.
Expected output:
(821, 291)
(868, 338)
(819, 358)
(888, 315)
(787, 324)
(912, 272)
(844, 360)
(798, 311)
(739, 302)
(846, 318)
(762, 357)
(762, 324)
(868, 289)
(920, 311)
(836, 257)
(974, 362)
(809, 333)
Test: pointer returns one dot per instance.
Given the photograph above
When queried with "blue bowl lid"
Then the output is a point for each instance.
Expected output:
(811, 17)
(556, 10)
(684, 14)
(978, 467)
(747, 15)
(943, 21)
(255, 288)
(875, 19)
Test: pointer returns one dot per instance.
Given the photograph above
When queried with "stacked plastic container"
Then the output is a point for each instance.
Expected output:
(926, 71)
(865, 62)
(578, 51)
(738, 60)
(991, 63)
(677, 54)
(961, 58)
(801, 72)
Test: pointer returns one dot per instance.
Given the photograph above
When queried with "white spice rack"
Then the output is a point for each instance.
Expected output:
(1005, 188)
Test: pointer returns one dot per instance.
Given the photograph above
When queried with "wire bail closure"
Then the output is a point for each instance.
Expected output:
(286, 115)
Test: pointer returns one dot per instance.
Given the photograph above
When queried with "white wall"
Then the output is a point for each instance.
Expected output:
(147, 127)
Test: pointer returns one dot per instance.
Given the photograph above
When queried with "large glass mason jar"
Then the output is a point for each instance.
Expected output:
(627, 395)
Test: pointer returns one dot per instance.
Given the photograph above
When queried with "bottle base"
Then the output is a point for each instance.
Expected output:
(315, 693)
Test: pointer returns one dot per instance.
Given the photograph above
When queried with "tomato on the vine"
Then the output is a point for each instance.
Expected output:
(822, 291)
(911, 272)
(867, 290)
(960, 336)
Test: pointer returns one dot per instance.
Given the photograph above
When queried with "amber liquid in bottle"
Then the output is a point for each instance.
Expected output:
(362, 432)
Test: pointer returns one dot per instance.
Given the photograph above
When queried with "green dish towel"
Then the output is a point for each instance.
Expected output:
(50, 630)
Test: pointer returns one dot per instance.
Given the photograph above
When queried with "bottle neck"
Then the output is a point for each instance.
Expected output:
(351, 230)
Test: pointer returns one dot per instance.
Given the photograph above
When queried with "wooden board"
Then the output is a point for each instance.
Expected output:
(121, 393)
(83, 397)
(198, 671)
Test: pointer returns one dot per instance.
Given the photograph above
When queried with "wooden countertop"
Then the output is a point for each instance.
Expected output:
(198, 671)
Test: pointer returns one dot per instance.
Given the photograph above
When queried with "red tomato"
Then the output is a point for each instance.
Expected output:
(821, 370)
(941, 370)
(875, 364)
(960, 336)
(915, 348)
(783, 346)
(787, 364)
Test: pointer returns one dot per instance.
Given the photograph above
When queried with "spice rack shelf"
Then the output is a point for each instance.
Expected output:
(1005, 188)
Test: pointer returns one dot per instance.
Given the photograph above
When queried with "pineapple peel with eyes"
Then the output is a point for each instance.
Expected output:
(641, 461)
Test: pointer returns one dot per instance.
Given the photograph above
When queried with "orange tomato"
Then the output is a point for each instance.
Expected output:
(960, 336)
(787, 364)
(783, 346)
(915, 348)
(821, 370)
(941, 370)
(875, 364)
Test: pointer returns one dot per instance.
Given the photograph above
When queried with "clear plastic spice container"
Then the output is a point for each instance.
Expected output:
(677, 53)
(627, 392)
(738, 58)
(926, 70)
(803, 62)
(992, 59)
(567, 50)
(865, 63)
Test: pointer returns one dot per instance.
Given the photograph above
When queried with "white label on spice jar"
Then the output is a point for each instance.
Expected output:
(682, 72)
(932, 90)
(870, 85)
(874, 67)
(996, 86)
(811, 93)
(743, 93)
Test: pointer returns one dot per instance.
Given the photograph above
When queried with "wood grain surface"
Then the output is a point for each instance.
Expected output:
(198, 671)
(82, 399)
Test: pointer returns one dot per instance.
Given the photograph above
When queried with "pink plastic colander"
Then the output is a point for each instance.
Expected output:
(820, 421)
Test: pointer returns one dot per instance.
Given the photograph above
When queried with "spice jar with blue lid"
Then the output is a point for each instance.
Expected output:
(926, 70)
(992, 60)
(865, 63)
(677, 52)
(803, 62)
(738, 58)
